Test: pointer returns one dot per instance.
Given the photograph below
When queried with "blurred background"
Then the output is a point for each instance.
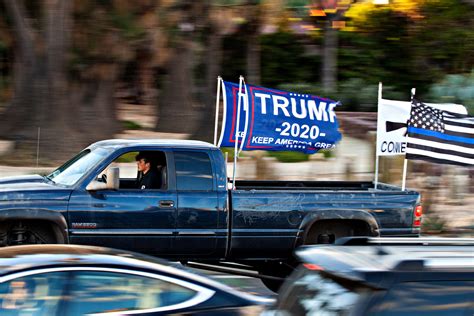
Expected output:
(74, 72)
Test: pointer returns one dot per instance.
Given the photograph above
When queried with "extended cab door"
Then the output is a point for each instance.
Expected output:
(127, 218)
(198, 207)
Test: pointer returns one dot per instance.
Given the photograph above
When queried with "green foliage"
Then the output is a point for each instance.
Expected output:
(229, 152)
(380, 51)
(308, 88)
(128, 157)
(233, 57)
(127, 24)
(327, 153)
(131, 125)
(455, 89)
(446, 38)
(284, 58)
(358, 95)
(433, 223)
(408, 48)
(288, 156)
(354, 94)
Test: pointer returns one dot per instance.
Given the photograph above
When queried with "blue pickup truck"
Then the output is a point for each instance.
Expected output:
(91, 200)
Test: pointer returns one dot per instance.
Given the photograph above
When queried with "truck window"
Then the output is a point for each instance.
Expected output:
(193, 171)
(74, 169)
(129, 175)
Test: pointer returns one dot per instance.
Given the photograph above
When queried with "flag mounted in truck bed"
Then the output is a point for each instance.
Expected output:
(277, 120)
(439, 136)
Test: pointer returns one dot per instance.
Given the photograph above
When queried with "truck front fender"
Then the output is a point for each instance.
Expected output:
(55, 218)
(346, 215)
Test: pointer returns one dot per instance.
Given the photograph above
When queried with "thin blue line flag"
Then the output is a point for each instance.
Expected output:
(440, 136)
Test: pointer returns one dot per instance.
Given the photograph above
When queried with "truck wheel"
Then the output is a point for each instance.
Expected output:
(327, 232)
(272, 285)
(19, 233)
(274, 269)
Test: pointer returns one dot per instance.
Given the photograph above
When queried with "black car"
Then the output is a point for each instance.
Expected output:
(382, 277)
(72, 280)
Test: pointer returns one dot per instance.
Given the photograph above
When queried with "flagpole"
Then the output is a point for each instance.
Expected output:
(237, 125)
(376, 141)
(246, 110)
(218, 96)
(405, 162)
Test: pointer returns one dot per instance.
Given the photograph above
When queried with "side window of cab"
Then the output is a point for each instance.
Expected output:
(193, 171)
(131, 173)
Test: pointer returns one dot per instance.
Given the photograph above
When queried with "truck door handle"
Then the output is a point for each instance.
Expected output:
(166, 203)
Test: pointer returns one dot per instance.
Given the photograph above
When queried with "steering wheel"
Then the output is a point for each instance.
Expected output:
(104, 178)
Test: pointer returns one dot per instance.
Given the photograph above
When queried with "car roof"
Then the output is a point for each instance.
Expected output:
(123, 143)
(355, 258)
(15, 259)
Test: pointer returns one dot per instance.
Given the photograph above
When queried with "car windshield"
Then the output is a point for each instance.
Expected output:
(70, 172)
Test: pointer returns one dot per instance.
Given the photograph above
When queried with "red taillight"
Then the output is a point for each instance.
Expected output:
(418, 211)
(311, 266)
(417, 216)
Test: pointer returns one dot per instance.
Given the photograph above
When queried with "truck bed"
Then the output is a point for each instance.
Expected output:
(270, 216)
(313, 185)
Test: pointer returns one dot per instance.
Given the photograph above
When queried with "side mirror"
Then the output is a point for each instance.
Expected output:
(113, 181)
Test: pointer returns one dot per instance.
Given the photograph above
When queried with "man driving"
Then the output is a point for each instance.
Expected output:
(148, 177)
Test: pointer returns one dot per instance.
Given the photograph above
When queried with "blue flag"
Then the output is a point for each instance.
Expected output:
(277, 120)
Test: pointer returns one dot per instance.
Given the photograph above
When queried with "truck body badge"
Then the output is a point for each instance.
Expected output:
(84, 225)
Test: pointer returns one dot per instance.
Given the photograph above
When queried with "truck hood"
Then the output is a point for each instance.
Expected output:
(33, 187)
(22, 179)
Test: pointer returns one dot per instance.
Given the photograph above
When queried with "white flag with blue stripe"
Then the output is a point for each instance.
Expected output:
(439, 136)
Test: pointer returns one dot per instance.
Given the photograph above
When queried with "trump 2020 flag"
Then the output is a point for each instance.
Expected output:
(277, 120)
(439, 136)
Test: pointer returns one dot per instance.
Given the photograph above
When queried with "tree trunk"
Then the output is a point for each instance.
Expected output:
(96, 105)
(253, 47)
(26, 68)
(205, 126)
(329, 70)
(176, 112)
(45, 104)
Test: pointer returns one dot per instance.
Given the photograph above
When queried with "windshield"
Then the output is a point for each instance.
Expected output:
(75, 168)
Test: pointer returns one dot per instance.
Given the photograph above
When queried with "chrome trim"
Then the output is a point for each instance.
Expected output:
(202, 293)
(121, 232)
(422, 240)
(196, 232)
(264, 230)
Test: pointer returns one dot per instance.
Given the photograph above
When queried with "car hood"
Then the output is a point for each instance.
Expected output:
(33, 187)
(22, 179)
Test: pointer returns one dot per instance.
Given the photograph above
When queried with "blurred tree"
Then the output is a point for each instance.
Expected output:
(65, 76)
(408, 43)
(176, 104)
(216, 22)
(220, 18)
(455, 89)
(444, 39)
(39, 98)
(380, 50)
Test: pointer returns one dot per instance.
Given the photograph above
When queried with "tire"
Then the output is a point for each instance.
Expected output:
(26, 233)
(275, 269)
(327, 232)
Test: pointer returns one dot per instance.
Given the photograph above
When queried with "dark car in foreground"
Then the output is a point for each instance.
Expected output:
(72, 280)
(382, 277)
